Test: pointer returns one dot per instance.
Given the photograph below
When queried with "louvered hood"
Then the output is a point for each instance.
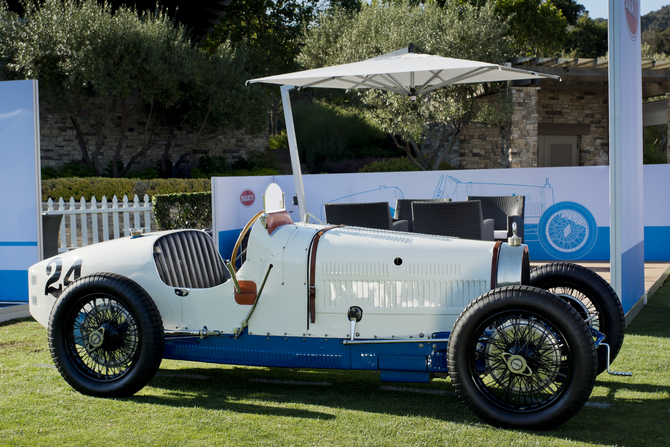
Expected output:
(189, 259)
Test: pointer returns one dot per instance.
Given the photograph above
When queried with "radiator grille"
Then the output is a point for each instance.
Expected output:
(189, 259)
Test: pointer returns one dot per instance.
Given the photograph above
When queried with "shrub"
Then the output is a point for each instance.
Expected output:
(70, 169)
(257, 163)
(278, 141)
(211, 166)
(175, 211)
(100, 186)
(390, 165)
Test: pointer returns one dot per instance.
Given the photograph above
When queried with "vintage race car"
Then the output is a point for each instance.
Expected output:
(522, 347)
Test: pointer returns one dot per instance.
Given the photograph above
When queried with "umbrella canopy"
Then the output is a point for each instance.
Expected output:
(403, 72)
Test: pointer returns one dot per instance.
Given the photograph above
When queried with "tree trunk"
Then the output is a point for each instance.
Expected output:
(166, 166)
(81, 140)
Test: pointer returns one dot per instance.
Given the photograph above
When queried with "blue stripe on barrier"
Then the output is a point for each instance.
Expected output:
(656, 247)
(14, 285)
(18, 244)
(657, 243)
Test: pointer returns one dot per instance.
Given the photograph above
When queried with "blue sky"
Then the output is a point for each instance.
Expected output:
(598, 8)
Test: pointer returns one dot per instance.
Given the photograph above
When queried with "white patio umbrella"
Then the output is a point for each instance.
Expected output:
(403, 72)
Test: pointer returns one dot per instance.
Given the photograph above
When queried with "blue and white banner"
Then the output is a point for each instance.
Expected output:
(566, 213)
(20, 227)
(625, 132)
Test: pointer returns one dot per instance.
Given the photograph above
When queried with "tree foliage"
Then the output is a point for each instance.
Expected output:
(537, 27)
(587, 38)
(270, 32)
(453, 30)
(94, 65)
(570, 9)
(658, 41)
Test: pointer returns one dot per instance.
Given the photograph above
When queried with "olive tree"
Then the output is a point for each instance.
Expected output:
(214, 100)
(94, 65)
(453, 30)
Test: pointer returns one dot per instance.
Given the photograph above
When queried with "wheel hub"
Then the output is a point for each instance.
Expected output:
(517, 348)
(97, 338)
(517, 364)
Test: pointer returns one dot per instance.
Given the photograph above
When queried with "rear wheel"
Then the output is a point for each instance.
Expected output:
(521, 357)
(592, 297)
(106, 336)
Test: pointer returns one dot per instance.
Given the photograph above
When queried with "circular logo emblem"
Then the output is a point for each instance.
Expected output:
(632, 8)
(247, 197)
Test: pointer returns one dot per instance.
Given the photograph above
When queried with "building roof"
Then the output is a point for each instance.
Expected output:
(655, 74)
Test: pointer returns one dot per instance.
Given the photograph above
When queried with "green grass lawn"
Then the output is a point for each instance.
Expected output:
(201, 404)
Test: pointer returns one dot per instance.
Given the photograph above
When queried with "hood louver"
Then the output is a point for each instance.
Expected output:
(189, 259)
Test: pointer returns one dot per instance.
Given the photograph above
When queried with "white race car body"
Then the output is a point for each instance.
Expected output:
(324, 296)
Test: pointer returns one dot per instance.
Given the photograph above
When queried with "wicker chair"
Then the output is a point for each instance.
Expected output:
(370, 215)
(403, 210)
(505, 211)
(457, 219)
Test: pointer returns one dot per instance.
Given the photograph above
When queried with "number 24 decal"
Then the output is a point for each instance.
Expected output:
(54, 270)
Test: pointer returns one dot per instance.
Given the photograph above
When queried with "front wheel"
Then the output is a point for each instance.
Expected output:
(106, 336)
(521, 357)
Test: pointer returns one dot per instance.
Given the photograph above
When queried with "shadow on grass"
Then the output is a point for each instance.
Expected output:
(278, 391)
(628, 412)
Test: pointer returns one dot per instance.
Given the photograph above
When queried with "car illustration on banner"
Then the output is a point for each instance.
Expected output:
(565, 230)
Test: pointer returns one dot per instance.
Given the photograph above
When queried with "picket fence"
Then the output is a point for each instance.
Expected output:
(85, 223)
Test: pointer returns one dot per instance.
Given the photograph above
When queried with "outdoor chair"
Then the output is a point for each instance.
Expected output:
(369, 215)
(403, 210)
(505, 211)
(458, 219)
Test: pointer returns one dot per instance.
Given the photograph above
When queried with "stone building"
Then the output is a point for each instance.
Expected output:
(560, 123)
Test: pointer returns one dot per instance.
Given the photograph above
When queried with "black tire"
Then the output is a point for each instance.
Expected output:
(520, 357)
(578, 284)
(106, 336)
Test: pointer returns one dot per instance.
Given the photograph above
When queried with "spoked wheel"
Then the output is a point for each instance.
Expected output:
(592, 297)
(106, 336)
(521, 357)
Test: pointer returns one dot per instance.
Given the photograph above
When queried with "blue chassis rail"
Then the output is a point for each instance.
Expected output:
(398, 362)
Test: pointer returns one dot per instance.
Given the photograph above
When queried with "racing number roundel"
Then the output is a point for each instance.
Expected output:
(632, 8)
(247, 197)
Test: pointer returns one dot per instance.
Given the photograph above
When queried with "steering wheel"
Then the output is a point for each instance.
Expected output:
(243, 233)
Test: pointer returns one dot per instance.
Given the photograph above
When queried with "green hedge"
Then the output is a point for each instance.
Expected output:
(390, 165)
(110, 187)
(190, 210)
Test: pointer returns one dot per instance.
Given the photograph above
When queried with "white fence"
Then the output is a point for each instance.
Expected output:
(87, 223)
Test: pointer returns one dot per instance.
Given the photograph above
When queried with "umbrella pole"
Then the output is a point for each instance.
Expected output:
(293, 150)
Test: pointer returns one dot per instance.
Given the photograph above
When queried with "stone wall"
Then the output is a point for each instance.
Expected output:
(516, 146)
(523, 135)
(484, 147)
(580, 105)
(59, 144)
